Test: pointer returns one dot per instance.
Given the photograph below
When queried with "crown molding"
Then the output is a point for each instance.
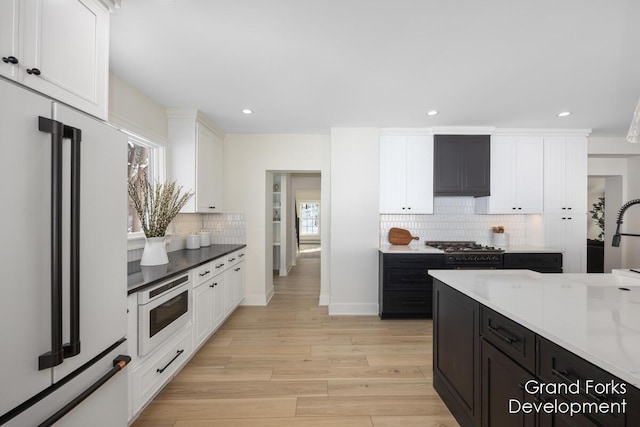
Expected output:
(484, 130)
(542, 132)
(194, 114)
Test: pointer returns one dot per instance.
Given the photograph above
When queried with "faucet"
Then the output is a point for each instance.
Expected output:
(616, 237)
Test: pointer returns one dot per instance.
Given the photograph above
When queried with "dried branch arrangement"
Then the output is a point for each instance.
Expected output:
(156, 205)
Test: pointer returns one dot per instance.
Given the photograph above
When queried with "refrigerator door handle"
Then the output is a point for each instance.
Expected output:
(56, 355)
(72, 348)
(59, 351)
(118, 364)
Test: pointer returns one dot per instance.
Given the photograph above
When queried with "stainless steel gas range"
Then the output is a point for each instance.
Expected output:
(471, 255)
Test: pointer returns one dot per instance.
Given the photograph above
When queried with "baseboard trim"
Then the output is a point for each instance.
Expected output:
(324, 300)
(341, 309)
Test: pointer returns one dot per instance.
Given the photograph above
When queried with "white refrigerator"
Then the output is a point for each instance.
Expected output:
(63, 263)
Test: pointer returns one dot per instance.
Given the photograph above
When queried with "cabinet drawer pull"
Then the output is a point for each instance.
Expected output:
(220, 265)
(33, 71)
(10, 60)
(564, 376)
(240, 256)
(205, 273)
(237, 269)
(178, 353)
(232, 259)
(503, 337)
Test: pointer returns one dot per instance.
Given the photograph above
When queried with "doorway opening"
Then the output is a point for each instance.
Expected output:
(295, 207)
(603, 200)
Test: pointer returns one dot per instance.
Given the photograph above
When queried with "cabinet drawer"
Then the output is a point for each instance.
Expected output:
(153, 372)
(407, 279)
(233, 258)
(557, 365)
(219, 265)
(514, 340)
(413, 260)
(541, 262)
(203, 273)
(415, 303)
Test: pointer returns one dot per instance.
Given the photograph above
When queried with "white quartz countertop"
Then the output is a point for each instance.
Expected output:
(415, 248)
(586, 314)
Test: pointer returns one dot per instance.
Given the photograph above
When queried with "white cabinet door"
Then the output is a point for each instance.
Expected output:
(218, 301)
(217, 174)
(529, 176)
(196, 160)
(392, 174)
(565, 175)
(204, 170)
(406, 174)
(65, 51)
(9, 33)
(516, 177)
(419, 174)
(576, 175)
(239, 272)
(567, 233)
(503, 177)
(202, 312)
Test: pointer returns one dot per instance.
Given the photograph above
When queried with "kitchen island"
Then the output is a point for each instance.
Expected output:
(499, 333)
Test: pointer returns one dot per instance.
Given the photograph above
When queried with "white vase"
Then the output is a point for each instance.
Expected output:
(155, 252)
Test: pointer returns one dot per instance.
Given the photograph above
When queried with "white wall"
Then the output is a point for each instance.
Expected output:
(354, 220)
(631, 245)
(133, 110)
(247, 159)
(611, 147)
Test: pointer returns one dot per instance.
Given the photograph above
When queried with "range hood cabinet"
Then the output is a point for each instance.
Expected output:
(462, 165)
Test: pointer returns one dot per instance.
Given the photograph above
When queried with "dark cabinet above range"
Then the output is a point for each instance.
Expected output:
(462, 165)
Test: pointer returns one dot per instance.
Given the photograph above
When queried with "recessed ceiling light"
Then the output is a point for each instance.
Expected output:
(247, 111)
(564, 114)
(432, 113)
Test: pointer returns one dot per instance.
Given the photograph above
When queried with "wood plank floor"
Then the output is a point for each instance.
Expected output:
(291, 364)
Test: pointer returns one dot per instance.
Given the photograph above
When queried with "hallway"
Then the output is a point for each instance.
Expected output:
(291, 364)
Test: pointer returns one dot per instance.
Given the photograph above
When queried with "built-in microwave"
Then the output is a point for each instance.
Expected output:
(162, 311)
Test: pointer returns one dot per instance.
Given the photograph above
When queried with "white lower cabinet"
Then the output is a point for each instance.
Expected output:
(148, 376)
(209, 307)
(218, 289)
(567, 233)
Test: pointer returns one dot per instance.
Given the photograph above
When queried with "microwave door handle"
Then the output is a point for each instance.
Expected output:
(56, 355)
(72, 348)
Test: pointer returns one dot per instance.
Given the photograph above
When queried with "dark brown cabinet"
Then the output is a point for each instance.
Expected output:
(462, 165)
(405, 287)
(540, 262)
(456, 353)
(503, 390)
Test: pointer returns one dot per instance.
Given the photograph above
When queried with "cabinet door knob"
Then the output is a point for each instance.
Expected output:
(10, 60)
(519, 209)
(33, 71)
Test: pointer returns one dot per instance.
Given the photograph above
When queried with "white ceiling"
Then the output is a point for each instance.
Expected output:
(305, 66)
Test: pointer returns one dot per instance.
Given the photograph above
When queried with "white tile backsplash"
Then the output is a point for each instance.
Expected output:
(225, 228)
(454, 219)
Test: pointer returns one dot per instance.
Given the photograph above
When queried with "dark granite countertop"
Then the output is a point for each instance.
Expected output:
(140, 277)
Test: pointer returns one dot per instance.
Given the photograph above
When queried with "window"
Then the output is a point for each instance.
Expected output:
(309, 218)
(144, 157)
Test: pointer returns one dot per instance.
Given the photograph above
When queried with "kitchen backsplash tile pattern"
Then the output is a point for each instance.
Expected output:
(225, 228)
(454, 219)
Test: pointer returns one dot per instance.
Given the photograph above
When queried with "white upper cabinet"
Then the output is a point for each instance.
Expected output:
(59, 48)
(517, 172)
(196, 160)
(565, 175)
(9, 34)
(406, 174)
